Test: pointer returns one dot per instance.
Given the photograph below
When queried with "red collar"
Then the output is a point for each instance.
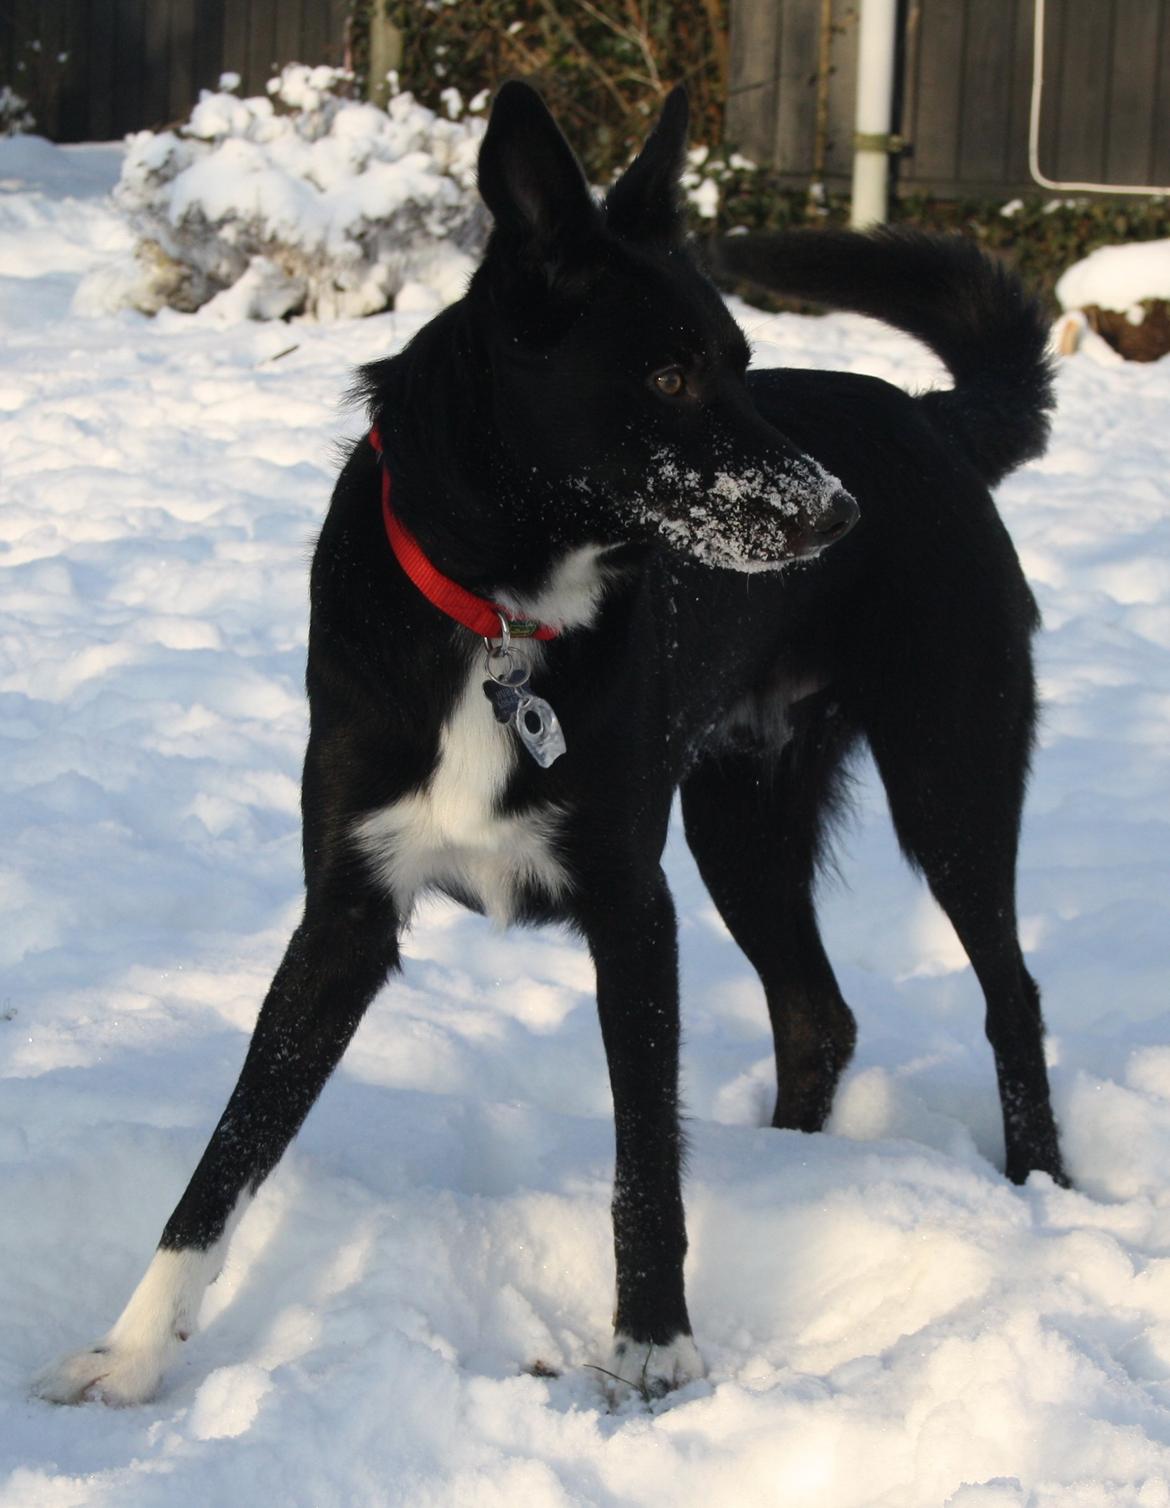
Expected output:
(476, 613)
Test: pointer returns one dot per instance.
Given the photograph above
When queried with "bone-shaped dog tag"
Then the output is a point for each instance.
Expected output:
(505, 700)
(531, 716)
(539, 730)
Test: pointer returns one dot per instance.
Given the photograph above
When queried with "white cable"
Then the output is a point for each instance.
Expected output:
(1034, 125)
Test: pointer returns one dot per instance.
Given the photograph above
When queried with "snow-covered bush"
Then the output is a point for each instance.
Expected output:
(1123, 294)
(304, 201)
(15, 116)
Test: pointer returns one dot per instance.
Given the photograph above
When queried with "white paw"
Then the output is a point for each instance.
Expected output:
(106, 1373)
(638, 1366)
(127, 1364)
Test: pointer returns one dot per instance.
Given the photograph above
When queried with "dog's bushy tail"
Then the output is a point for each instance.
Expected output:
(972, 312)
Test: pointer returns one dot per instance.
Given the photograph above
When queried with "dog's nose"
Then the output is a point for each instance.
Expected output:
(838, 518)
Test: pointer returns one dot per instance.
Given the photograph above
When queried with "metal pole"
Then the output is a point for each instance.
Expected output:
(877, 44)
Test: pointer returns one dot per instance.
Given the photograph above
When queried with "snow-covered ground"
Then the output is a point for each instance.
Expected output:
(887, 1322)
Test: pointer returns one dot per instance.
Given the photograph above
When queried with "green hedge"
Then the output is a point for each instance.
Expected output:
(1043, 236)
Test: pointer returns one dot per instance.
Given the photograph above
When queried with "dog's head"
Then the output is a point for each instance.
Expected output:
(617, 364)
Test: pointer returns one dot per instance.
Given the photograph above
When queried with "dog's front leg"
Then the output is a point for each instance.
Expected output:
(632, 935)
(335, 963)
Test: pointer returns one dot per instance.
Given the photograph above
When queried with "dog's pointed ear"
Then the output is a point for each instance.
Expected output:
(645, 203)
(530, 178)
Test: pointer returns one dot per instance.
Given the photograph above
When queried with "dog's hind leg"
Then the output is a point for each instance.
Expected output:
(755, 824)
(334, 965)
(955, 765)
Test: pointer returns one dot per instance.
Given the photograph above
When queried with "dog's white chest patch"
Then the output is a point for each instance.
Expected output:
(450, 832)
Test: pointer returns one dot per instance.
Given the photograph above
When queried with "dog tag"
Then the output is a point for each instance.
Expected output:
(504, 699)
(533, 719)
(539, 730)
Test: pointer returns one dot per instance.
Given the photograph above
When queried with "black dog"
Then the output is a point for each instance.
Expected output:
(574, 462)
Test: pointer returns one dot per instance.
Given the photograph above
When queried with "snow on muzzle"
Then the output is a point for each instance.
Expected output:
(751, 518)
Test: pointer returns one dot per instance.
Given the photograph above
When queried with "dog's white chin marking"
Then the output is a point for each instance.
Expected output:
(450, 832)
(127, 1364)
(571, 595)
(636, 1366)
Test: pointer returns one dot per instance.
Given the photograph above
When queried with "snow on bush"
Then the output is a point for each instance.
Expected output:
(1122, 293)
(707, 178)
(1117, 277)
(306, 201)
(15, 116)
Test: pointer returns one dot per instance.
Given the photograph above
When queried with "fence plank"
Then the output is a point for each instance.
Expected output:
(843, 92)
(182, 86)
(261, 46)
(234, 58)
(796, 96)
(289, 27)
(207, 52)
(70, 43)
(28, 66)
(1019, 69)
(938, 92)
(1052, 98)
(156, 27)
(50, 37)
(339, 31)
(100, 45)
(755, 67)
(7, 66)
(1160, 155)
(316, 25)
(985, 108)
(129, 90)
(1083, 88)
(1132, 84)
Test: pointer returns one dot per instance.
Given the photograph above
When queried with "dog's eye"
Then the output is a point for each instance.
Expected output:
(670, 381)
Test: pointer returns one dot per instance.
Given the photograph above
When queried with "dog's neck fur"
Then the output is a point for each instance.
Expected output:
(474, 515)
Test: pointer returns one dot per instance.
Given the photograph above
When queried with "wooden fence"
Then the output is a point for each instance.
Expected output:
(963, 96)
(94, 69)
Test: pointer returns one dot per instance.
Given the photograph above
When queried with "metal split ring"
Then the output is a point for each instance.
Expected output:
(503, 665)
